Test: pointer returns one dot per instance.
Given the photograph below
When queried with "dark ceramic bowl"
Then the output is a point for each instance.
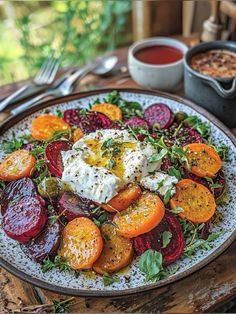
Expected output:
(217, 95)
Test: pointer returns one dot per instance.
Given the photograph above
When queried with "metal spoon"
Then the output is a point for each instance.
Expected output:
(106, 66)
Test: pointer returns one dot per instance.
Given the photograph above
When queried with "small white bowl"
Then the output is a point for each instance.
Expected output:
(165, 77)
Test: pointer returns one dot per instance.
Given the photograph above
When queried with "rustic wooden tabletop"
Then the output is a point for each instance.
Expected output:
(203, 291)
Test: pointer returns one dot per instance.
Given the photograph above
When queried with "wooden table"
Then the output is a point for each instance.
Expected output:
(203, 291)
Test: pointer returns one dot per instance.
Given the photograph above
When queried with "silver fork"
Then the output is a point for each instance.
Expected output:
(64, 85)
(45, 76)
(63, 88)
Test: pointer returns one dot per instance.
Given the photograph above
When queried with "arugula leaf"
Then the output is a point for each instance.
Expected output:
(100, 216)
(179, 152)
(59, 113)
(58, 135)
(36, 151)
(223, 151)
(167, 196)
(213, 185)
(158, 156)
(172, 171)
(109, 279)
(52, 219)
(10, 146)
(166, 238)
(42, 168)
(2, 185)
(150, 263)
(177, 210)
(202, 127)
(214, 235)
(200, 243)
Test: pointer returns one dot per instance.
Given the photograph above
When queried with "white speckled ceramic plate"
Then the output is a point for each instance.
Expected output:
(14, 260)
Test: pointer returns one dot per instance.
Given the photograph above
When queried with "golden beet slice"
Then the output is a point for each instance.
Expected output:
(195, 199)
(81, 243)
(117, 251)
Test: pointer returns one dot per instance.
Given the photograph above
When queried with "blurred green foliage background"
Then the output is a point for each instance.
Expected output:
(75, 29)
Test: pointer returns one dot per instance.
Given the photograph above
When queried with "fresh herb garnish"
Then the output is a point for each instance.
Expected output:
(150, 263)
(213, 185)
(158, 156)
(179, 153)
(52, 219)
(193, 241)
(128, 108)
(110, 164)
(2, 185)
(42, 169)
(83, 111)
(61, 134)
(59, 113)
(58, 263)
(99, 216)
(223, 151)
(10, 146)
(202, 127)
(166, 238)
(173, 171)
(177, 210)
(109, 279)
(167, 196)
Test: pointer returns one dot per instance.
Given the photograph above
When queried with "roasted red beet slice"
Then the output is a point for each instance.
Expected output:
(73, 206)
(24, 219)
(16, 190)
(94, 121)
(72, 116)
(152, 240)
(158, 114)
(45, 244)
(136, 121)
(53, 156)
(89, 122)
(175, 248)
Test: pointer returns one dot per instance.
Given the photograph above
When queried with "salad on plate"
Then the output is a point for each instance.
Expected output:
(95, 190)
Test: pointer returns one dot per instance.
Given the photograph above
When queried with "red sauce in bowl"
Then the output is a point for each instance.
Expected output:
(159, 54)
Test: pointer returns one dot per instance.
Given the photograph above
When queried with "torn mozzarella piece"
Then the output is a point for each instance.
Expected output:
(159, 182)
